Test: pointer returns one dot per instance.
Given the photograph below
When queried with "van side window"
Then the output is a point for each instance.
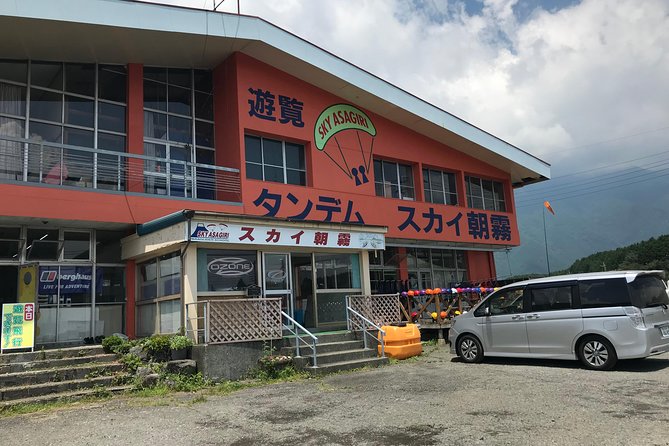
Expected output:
(603, 293)
(550, 299)
(506, 302)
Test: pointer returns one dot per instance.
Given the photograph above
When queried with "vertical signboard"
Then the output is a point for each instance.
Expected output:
(18, 326)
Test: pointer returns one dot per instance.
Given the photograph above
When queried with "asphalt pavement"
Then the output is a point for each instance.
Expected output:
(435, 400)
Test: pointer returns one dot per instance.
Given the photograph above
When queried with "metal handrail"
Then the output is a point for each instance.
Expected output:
(204, 318)
(365, 331)
(298, 338)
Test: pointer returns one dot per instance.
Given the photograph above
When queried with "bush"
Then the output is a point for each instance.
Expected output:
(179, 342)
(131, 362)
(158, 347)
(109, 344)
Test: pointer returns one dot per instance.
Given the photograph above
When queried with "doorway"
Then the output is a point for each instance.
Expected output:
(302, 272)
(276, 280)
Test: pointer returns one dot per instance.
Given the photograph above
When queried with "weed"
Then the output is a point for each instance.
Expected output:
(198, 399)
(131, 362)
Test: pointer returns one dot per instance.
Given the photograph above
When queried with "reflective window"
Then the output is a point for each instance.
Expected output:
(603, 293)
(76, 245)
(551, 298)
(440, 187)
(274, 160)
(485, 194)
(226, 270)
(393, 180)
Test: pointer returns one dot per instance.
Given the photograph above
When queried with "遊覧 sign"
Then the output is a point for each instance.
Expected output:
(18, 326)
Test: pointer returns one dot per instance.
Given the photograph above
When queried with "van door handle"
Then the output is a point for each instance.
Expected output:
(515, 318)
(533, 316)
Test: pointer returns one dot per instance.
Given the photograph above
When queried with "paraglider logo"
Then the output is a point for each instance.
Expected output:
(336, 119)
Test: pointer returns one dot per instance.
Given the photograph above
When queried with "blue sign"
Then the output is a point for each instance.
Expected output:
(72, 280)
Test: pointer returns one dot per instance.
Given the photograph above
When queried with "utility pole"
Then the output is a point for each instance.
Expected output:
(548, 265)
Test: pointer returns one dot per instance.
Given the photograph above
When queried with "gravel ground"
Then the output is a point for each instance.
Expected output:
(435, 400)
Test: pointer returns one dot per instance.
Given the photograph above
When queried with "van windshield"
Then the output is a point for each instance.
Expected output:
(648, 291)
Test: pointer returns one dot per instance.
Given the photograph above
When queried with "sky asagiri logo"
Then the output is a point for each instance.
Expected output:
(230, 266)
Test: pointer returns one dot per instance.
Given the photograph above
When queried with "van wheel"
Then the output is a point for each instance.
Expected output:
(469, 348)
(597, 353)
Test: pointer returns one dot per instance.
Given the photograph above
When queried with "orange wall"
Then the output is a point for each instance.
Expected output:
(326, 179)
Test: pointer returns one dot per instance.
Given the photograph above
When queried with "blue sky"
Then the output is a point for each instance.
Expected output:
(580, 84)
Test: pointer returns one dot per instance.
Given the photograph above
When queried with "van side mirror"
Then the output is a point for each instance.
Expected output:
(486, 311)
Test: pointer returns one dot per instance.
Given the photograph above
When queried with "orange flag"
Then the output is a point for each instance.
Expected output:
(548, 206)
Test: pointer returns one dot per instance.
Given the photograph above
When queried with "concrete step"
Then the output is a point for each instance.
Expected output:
(58, 374)
(347, 365)
(324, 348)
(54, 363)
(323, 338)
(70, 396)
(344, 356)
(34, 390)
(41, 355)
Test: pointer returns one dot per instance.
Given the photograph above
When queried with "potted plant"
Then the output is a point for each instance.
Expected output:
(180, 347)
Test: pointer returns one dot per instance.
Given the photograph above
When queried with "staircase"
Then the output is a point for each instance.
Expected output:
(335, 352)
(47, 375)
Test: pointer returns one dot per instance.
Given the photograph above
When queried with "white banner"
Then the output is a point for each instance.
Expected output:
(253, 234)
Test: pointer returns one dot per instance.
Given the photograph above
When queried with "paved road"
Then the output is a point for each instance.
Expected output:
(433, 401)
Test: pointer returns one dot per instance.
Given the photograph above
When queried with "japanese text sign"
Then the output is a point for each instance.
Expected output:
(18, 326)
(251, 234)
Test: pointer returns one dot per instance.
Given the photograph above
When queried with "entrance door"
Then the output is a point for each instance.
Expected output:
(276, 279)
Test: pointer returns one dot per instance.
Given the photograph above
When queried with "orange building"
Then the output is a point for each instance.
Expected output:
(302, 174)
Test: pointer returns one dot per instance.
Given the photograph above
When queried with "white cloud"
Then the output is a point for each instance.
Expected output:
(590, 72)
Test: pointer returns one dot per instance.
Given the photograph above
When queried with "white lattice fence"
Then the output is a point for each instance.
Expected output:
(240, 320)
(382, 309)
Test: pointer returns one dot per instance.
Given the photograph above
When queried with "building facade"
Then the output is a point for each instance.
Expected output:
(154, 156)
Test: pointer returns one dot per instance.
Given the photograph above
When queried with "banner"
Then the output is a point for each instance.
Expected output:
(18, 326)
(73, 280)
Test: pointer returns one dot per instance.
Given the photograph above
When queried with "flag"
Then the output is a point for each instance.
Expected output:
(548, 206)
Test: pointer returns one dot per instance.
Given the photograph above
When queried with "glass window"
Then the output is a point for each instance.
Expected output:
(111, 117)
(552, 298)
(76, 245)
(226, 270)
(148, 275)
(440, 187)
(112, 83)
(485, 194)
(146, 320)
(393, 180)
(10, 243)
(170, 316)
(46, 105)
(79, 111)
(12, 100)
(603, 293)
(648, 291)
(47, 74)
(80, 79)
(42, 244)
(503, 302)
(108, 246)
(337, 271)
(14, 70)
(273, 160)
(170, 275)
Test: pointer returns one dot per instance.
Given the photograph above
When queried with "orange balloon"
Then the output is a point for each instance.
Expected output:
(443, 315)
(410, 292)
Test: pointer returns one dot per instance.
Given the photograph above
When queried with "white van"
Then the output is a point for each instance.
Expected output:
(597, 318)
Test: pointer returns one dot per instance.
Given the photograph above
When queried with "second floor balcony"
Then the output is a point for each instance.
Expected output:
(40, 162)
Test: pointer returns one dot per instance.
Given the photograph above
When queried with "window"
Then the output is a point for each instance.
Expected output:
(503, 302)
(273, 160)
(10, 243)
(648, 291)
(603, 293)
(393, 180)
(384, 271)
(76, 245)
(77, 104)
(225, 270)
(179, 126)
(435, 267)
(160, 277)
(551, 298)
(485, 194)
(42, 244)
(440, 187)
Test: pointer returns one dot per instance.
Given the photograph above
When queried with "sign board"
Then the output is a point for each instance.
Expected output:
(253, 234)
(18, 326)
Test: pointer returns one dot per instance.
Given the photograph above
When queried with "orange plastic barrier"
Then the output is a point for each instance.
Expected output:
(402, 342)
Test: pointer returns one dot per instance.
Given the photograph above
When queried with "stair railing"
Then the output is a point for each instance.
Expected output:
(364, 324)
(299, 339)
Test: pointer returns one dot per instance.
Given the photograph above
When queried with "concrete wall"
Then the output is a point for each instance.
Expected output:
(227, 361)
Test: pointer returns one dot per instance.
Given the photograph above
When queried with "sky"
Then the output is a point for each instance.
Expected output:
(583, 85)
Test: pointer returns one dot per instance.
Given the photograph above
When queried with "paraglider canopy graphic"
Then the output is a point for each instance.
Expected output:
(336, 119)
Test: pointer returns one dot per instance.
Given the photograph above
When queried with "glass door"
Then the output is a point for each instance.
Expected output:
(276, 279)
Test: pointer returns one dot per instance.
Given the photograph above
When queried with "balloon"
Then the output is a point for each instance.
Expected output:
(443, 315)
(404, 294)
(454, 290)
(422, 292)
(457, 312)
(437, 291)
(410, 292)
(414, 314)
(434, 315)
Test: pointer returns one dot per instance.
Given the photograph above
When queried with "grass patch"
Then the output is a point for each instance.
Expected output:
(27, 408)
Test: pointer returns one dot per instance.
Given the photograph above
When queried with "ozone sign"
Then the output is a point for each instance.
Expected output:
(230, 267)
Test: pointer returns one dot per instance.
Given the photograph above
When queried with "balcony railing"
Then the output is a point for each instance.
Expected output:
(33, 161)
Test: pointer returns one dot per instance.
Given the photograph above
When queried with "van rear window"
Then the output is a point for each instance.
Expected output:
(604, 293)
(648, 291)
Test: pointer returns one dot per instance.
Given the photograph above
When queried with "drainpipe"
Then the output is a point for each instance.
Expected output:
(182, 255)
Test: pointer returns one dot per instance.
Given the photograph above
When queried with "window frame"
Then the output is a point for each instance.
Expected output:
(284, 167)
(429, 189)
(493, 203)
(383, 182)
